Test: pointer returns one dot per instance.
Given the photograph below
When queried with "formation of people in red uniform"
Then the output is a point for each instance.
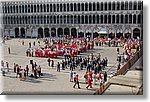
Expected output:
(59, 47)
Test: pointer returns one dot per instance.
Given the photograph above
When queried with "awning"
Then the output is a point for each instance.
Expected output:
(103, 31)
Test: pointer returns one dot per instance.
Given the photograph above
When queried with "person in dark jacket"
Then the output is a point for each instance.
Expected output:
(105, 76)
(48, 60)
(58, 67)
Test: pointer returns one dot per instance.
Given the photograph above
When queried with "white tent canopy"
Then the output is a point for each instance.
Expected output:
(103, 31)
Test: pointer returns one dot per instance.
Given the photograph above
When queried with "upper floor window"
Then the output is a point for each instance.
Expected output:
(135, 6)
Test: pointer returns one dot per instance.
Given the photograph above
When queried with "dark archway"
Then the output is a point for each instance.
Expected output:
(136, 33)
(127, 35)
(88, 35)
(119, 35)
(53, 32)
(22, 30)
(60, 32)
(111, 35)
(80, 35)
(66, 32)
(16, 32)
(74, 32)
(95, 34)
(40, 33)
(46, 32)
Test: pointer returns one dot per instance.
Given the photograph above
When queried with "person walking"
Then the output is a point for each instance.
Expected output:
(29, 44)
(35, 73)
(105, 77)
(7, 66)
(48, 60)
(77, 82)
(39, 71)
(58, 67)
(18, 70)
(71, 76)
(89, 82)
(106, 61)
(14, 67)
(9, 50)
(52, 64)
(118, 66)
(27, 70)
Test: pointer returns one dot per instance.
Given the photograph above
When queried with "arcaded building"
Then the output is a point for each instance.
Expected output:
(76, 18)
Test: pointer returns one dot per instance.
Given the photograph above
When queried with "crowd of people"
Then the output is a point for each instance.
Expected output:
(60, 47)
(22, 72)
(92, 65)
(130, 47)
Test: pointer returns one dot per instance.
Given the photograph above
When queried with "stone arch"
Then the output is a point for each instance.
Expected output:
(66, 32)
(127, 33)
(22, 32)
(16, 32)
(119, 33)
(136, 32)
(74, 32)
(40, 33)
(46, 32)
(60, 32)
(53, 32)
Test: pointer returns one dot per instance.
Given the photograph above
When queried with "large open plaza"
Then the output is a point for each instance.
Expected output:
(51, 82)
(70, 46)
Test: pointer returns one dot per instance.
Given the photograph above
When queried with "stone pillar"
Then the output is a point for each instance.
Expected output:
(123, 32)
(56, 33)
(92, 34)
(46, 19)
(132, 32)
(84, 33)
(70, 32)
(63, 32)
(77, 33)
(31, 32)
(19, 32)
(115, 33)
(50, 32)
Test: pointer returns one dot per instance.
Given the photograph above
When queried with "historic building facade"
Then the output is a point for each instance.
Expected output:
(76, 18)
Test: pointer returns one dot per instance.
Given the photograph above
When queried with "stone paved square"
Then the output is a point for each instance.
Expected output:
(52, 82)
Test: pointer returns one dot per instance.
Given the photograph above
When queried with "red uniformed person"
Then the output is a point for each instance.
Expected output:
(89, 82)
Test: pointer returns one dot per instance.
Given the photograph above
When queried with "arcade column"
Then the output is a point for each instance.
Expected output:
(56, 33)
(92, 34)
(70, 32)
(77, 33)
(19, 32)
